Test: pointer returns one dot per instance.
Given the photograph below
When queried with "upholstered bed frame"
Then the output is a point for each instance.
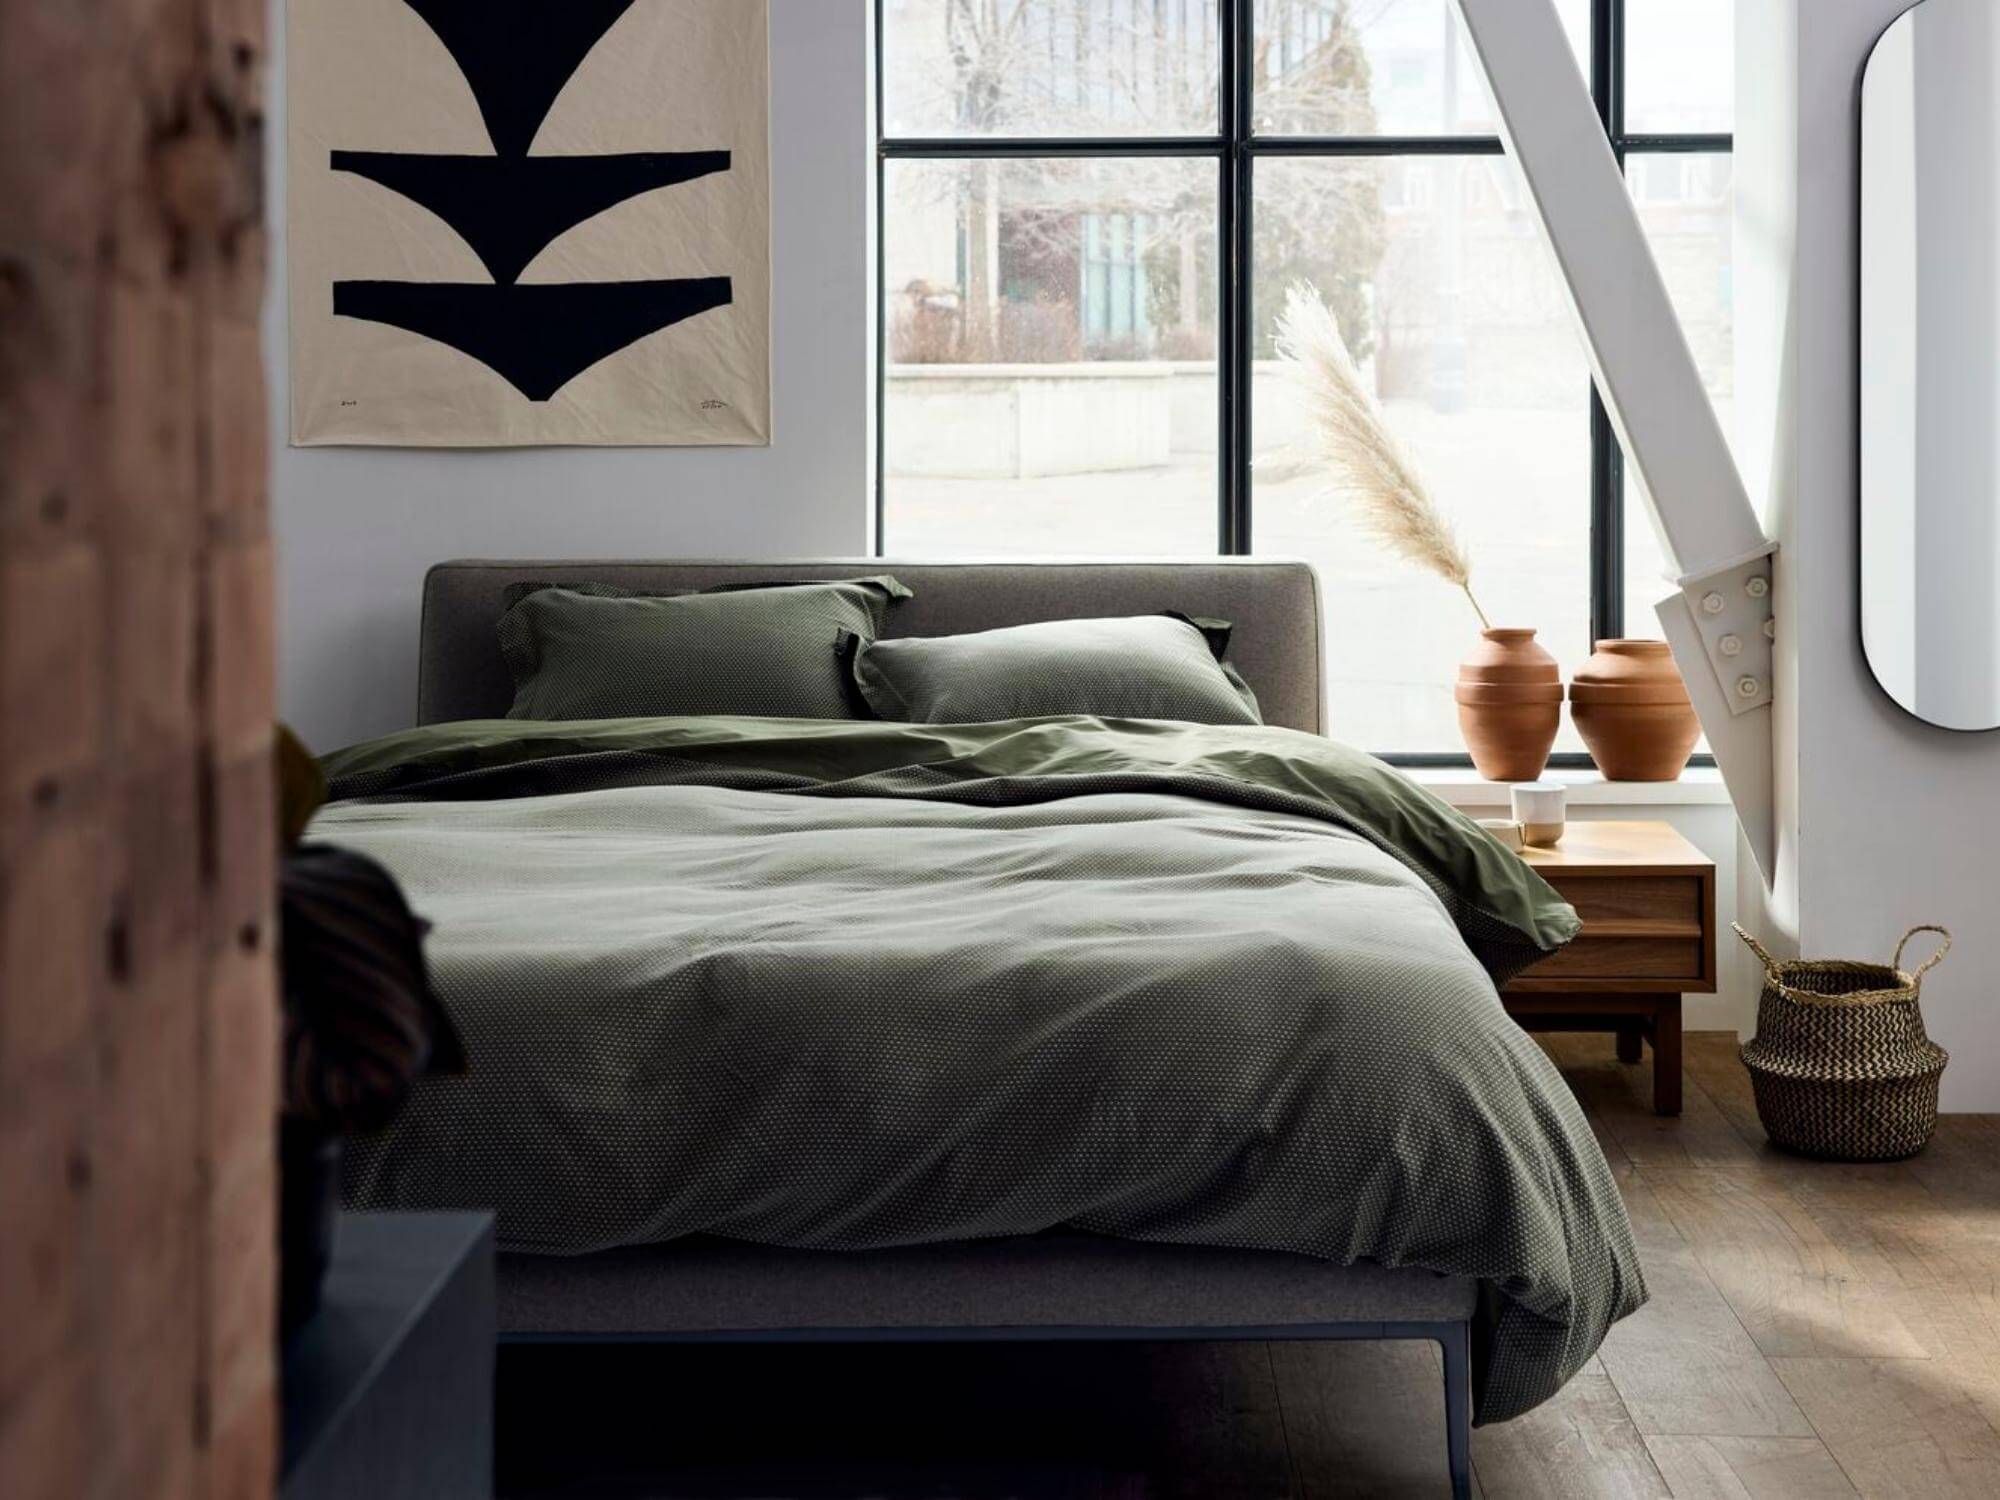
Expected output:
(1053, 1288)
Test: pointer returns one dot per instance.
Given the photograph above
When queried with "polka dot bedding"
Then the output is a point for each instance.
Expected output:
(935, 1007)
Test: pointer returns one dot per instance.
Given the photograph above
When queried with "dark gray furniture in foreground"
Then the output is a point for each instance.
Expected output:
(1053, 1288)
(388, 1391)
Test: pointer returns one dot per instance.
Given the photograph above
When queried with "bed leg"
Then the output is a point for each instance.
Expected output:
(1456, 1342)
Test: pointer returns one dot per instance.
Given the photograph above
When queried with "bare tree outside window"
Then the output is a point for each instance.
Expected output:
(1024, 230)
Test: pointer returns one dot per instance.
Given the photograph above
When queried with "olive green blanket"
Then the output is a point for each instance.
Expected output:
(835, 984)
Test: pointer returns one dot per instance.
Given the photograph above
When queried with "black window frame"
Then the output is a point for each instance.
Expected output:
(1236, 148)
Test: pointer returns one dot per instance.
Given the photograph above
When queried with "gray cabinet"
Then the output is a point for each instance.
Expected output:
(388, 1391)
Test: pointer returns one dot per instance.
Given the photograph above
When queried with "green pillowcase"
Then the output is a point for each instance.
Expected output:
(1163, 666)
(592, 651)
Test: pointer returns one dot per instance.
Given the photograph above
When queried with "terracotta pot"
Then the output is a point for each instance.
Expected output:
(1632, 709)
(1509, 705)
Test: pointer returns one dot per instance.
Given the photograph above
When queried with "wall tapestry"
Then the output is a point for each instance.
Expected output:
(529, 221)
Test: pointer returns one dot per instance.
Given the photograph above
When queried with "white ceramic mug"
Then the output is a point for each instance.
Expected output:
(1504, 829)
(1539, 808)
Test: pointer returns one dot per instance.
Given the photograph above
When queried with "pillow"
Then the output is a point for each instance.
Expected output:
(1163, 666)
(592, 651)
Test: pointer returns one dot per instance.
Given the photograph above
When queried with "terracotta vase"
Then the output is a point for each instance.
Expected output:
(1633, 711)
(1509, 705)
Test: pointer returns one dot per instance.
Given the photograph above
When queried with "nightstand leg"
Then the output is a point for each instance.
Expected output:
(1667, 1057)
(1630, 1040)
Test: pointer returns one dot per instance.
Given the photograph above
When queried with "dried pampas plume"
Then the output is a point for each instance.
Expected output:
(1367, 465)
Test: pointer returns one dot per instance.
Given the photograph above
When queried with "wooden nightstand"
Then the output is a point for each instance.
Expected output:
(1647, 899)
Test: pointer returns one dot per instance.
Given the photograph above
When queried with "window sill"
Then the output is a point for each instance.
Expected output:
(1699, 786)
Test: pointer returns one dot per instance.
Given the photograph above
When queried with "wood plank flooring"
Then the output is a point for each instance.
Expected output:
(1815, 1330)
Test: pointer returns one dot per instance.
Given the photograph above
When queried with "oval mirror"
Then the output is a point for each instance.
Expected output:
(1930, 362)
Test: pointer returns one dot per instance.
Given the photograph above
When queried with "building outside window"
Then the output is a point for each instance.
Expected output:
(1071, 366)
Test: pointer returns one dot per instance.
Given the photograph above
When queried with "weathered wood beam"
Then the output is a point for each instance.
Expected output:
(137, 1022)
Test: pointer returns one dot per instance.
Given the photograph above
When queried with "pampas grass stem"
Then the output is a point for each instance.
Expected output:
(1365, 464)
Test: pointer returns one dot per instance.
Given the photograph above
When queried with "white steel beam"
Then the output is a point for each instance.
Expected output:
(1719, 624)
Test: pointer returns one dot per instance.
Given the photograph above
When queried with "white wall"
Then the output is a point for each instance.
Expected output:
(356, 527)
(1886, 820)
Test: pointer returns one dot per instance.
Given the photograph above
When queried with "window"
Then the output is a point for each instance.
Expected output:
(1091, 210)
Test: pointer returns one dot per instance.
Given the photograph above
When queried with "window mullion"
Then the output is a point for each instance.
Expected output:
(1234, 264)
(1607, 467)
(1607, 43)
(1242, 296)
(1226, 393)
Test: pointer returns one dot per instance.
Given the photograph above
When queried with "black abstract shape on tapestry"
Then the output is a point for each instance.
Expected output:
(508, 209)
(518, 54)
(538, 336)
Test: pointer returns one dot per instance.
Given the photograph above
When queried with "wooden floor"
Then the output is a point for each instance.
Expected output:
(1815, 1330)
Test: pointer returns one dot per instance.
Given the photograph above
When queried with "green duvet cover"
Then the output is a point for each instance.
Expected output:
(834, 984)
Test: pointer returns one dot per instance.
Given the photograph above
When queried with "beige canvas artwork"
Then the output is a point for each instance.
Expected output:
(517, 222)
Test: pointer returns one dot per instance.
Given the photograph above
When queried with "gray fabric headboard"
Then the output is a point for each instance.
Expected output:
(1274, 604)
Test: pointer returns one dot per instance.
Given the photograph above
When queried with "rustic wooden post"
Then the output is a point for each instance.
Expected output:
(137, 1033)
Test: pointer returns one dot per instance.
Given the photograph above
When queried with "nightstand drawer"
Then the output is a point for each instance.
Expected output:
(1636, 948)
(1634, 927)
(1621, 899)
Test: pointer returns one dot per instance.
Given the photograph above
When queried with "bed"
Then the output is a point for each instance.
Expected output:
(1273, 1096)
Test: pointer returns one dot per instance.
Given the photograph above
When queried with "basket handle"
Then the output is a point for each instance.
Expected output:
(1770, 964)
(1929, 963)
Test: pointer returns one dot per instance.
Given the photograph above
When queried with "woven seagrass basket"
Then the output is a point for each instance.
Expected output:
(1841, 1064)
